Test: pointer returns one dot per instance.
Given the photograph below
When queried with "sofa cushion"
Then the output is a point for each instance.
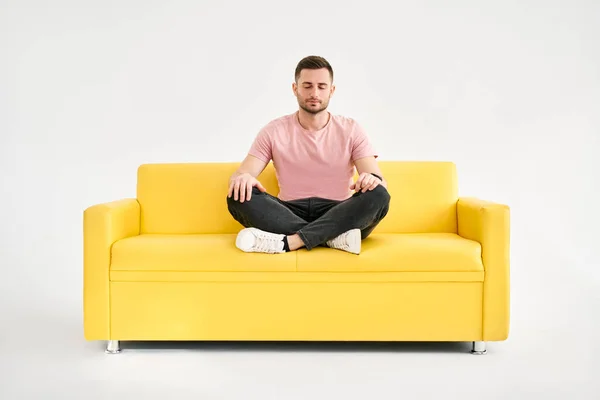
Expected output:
(405, 252)
(410, 254)
(175, 198)
(201, 252)
(190, 198)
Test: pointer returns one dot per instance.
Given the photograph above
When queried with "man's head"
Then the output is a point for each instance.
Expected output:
(313, 84)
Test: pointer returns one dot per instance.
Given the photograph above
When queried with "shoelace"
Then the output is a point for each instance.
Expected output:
(267, 243)
(340, 241)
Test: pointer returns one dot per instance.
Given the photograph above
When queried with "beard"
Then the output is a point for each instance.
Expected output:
(313, 109)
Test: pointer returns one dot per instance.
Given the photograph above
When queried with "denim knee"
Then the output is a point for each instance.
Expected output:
(231, 200)
(380, 195)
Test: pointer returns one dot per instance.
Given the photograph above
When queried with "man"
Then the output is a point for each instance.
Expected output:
(314, 154)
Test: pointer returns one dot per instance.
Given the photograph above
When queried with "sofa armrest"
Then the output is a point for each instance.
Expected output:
(103, 224)
(489, 224)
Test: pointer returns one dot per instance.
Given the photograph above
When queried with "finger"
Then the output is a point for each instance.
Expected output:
(366, 183)
(353, 186)
(248, 191)
(230, 191)
(260, 187)
(374, 185)
(360, 180)
(236, 190)
(358, 183)
(243, 191)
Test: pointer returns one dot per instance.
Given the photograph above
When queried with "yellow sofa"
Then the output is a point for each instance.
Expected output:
(164, 266)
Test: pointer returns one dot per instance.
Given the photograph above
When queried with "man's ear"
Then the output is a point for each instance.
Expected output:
(294, 88)
(332, 90)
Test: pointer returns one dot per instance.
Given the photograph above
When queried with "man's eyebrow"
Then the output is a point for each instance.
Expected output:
(310, 83)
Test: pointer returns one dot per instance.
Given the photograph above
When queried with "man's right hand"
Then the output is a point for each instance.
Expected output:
(240, 187)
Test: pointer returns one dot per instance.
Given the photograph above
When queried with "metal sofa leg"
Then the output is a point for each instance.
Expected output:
(112, 347)
(478, 348)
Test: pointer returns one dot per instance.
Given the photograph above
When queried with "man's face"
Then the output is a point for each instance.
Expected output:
(313, 90)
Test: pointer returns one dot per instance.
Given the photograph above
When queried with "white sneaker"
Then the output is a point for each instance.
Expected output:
(348, 241)
(252, 240)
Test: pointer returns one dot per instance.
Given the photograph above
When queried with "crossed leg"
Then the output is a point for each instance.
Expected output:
(267, 213)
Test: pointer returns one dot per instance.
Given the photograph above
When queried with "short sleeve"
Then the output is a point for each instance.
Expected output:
(262, 146)
(361, 145)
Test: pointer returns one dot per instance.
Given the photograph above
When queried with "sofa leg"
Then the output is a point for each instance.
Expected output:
(478, 348)
(112, 347)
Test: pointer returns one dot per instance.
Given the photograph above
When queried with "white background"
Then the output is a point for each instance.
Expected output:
(508, 90)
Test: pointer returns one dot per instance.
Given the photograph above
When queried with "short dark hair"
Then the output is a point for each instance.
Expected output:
(313, 62)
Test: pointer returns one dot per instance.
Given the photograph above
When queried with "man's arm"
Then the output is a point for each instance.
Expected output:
(367, 166)
(251, 165)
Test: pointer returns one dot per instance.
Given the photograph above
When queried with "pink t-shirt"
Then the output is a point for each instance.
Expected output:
(312, 164)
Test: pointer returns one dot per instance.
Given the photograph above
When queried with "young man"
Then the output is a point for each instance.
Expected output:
(314, 154)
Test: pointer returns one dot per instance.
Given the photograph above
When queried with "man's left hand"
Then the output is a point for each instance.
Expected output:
(365, 182)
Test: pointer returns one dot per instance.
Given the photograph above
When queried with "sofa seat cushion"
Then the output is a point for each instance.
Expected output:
(192, 252)
(405, 252)
(214, 257)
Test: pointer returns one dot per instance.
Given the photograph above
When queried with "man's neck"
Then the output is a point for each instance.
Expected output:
(313, 122)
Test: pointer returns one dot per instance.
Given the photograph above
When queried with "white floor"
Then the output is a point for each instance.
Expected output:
(552, 353)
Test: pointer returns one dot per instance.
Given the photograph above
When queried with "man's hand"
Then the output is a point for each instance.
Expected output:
(240, 186)
(365, 182)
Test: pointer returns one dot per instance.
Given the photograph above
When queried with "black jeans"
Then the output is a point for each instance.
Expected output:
(316, 220)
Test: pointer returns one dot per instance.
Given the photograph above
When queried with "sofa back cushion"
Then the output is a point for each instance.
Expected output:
(191, 197)
(423, 197)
